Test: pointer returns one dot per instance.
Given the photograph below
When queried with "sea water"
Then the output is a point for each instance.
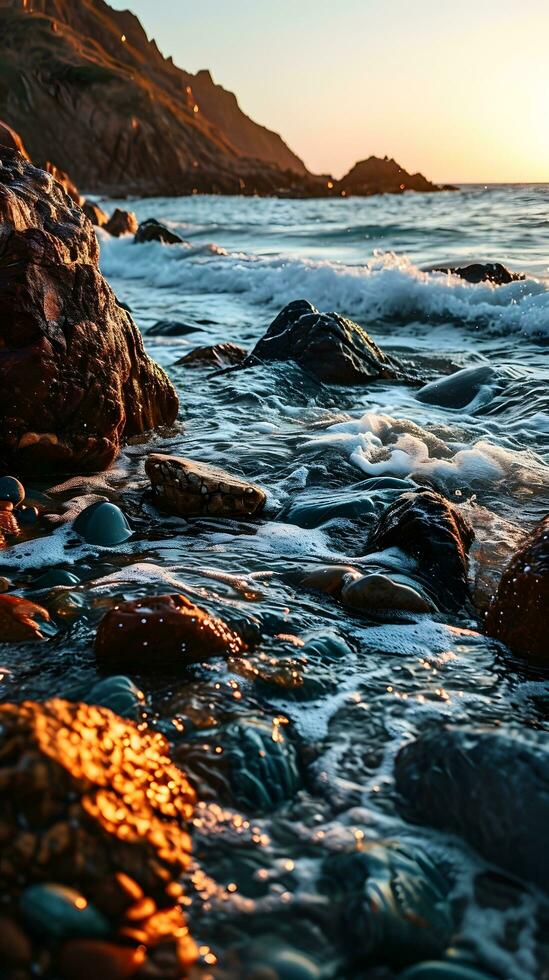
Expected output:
(366, 687)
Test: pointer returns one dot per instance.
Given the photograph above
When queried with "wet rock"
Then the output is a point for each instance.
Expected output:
(53, 578)
(444, 970)
(74, 377)
(95, 214)
(86, 794)
(121, 223)
(483, 272)
(190, 489)
(12, 490)
(59, 912)
(83, 959)
(18, 620)
(430, 530)
(63, 178)
(216, 356)
(153, 231)
(171, 328)
(328, 578)
(119, 694)
(459, 389)
(104, 524)
(15, 947)
(28, 516)
(391, 901)
(313, 509)
(162, 631)
(487, 785)
(518, 613)
(256, 768)
(381, 592)
(327, 345)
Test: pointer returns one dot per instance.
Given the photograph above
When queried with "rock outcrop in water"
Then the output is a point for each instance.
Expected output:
(74, 377)
(431, 531)
(191, 489)
(488, 785)
(162, 631)
(93, 841)
(477, 272)
(98, 99)
(518, 613)
(329, 346)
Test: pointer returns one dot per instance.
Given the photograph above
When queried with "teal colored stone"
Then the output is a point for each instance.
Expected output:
(288, 964)
(57, 576)
(11, 489)
(27, 516)
(326, 644)
(435, 970)
(54, 911)
(104, 524)
(119, 694)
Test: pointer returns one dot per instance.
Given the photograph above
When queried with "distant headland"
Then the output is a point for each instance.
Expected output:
(89, 93)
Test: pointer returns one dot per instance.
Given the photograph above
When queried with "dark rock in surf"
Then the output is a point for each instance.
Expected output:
(390, 901)
(121, 223)
(489, 786)
(171, 328)
(429, 529)
(152, 230)
(327, 345)
(74, 376)
(478, 272)
(216, 356)
(162, 631)
(95, 214)
(518, 613)
(459, 389)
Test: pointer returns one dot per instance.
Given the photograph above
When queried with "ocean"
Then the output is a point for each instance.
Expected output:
(352, 689)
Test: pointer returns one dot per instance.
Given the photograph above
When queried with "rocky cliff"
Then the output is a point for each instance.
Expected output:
(92, 95)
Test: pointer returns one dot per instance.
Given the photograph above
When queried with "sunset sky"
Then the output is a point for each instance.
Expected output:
(457, 90)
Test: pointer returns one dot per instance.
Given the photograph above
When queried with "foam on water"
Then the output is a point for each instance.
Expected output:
(388, 287)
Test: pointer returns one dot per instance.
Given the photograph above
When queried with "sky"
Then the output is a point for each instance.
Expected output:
(457, 90)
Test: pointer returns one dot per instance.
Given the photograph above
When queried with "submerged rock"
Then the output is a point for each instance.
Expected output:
(487, 785)
(483, 272)
(459, 389)
(374, 591)
(162, 631)
(152, 230)
(59, 912)
(256, 768)
(171, 328)
(119, 694)
(190, 489)
(328, 345)
(104, 524)
(217, 356)
(391, 901)
(430, 530)
(74, 377)
(18, 620)
(121, 223)
(519, 612)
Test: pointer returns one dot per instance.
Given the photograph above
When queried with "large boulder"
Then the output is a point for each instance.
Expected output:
(95, 214)
(327, 345)
(121, 223)
(489, 786)
(476, 272)
(93, 839)
(152, 230)
(431, 531)
(74, 377)
(518, 613)
(191, 489)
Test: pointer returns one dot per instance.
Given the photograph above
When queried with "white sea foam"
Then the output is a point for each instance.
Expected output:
(388, 287)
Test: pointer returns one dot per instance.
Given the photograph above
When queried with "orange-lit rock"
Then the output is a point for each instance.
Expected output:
(518, 614)
(166, 630)
(86, 959)
(18, 619)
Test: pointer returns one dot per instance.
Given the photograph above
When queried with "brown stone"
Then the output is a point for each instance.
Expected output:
(86, 959)
(74, 376)
(191, 489)
(62, 177)
(121, 223)
(95, 214)
(216, 356)
(15, 946)
(166, 630)
(519, 612)
(18, 620)
(8, 137)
